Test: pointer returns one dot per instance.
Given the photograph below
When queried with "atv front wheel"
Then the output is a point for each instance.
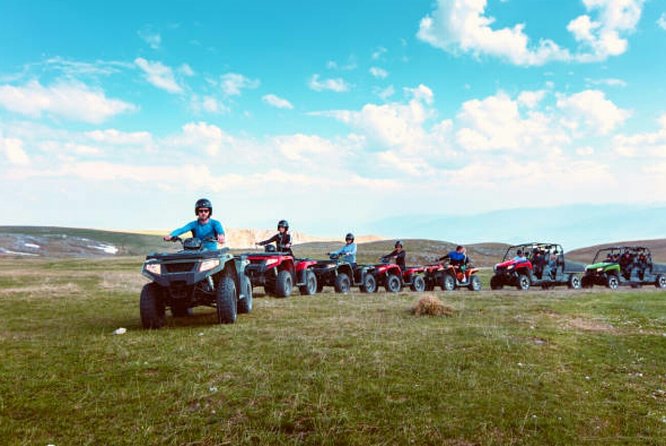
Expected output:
(226, 300)
(369, 284)
(244, 305)
(523, 282)
(475, 283)
(661, 281)
(310, 286)
(283, 284)
(342, 283)
(448, 282)
(612, 282)
(574, 282)
(418, 284)
(393, 283)
(496, 283)
(151, 306)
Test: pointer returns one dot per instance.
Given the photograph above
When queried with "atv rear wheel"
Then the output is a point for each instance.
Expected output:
(612, 282)
(245, 304)
(283, 284)
(310, 286)
(448, 282)
(474, 284)
(418, 284)
(226, 300)
(369, 284)
(393, 283)
(151, 306)
(342, 283)
(574, 282)
(661, 281)
(496, 283)
(523, 282)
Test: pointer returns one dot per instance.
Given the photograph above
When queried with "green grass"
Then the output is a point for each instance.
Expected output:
(543, 367)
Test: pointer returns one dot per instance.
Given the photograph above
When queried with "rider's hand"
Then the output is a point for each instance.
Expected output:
(220, 239)
(167, 238)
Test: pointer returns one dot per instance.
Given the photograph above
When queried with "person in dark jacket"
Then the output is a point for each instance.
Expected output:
(399, 253)
(282, 239)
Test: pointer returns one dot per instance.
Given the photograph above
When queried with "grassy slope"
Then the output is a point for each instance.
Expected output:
(551, 367)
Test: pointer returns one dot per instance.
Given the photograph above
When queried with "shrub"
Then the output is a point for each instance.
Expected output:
(431, 306)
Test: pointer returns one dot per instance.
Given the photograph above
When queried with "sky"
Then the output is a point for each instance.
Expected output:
(119, 115)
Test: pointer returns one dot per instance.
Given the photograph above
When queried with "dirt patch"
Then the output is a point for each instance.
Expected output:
(123, 282)
(43, 290)
(589, 325)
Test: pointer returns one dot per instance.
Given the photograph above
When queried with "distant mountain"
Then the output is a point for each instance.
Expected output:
(572, 226)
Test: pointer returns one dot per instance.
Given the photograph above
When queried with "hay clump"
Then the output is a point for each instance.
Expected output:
(431, 306)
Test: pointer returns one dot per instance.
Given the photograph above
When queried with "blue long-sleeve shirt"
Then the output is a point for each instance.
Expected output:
(210, 229)
(348, 252)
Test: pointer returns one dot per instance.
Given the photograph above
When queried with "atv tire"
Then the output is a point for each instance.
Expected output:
(474, 283)
(661, 281)
(342, 283)
(283, 284)
(612, 282)
(418, 284)
(393, 283)
(523, 282)
(369, 284)
(448, 282)
(244, 305)
(226, 300)
(574, 282)
(311, 284)
(151, 306)
(496, 283)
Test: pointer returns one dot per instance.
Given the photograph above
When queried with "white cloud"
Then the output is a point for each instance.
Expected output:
(118, 137)
(277, 102)
(233, 84)
(609, 82)
(186, 70)
(649, 145)
(590, 107)
(379, 53)
(379, 73)
(12, 148)
(201, 135)
(152, 38)
(159, 75)
(661, 21)
(385, 93)
(462, 25)
(299, 146)
(531, 99)
(74, 101)
(337, 85)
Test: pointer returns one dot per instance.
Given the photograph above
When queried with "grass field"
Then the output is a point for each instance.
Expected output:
(542, 367)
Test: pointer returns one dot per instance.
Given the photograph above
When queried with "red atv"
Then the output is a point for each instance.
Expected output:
(393, 278)
(460, 276)
(342, 275)
(433, 275)
(279, 272)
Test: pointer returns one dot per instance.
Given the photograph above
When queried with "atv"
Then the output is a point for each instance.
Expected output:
(543, 264)
(392, 278)
(454, 276)
(191, 277)
(343, 275)
(279, 272)
(624, 265)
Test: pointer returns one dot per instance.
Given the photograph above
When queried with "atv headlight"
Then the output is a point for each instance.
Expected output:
(209, 264)
(154, 268)
(599, 270)
(511, 267)
(270, 262)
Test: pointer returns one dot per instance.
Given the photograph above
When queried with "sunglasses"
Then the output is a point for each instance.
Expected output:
(200, 211)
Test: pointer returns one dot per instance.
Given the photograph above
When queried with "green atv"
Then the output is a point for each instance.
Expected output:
(624, 265)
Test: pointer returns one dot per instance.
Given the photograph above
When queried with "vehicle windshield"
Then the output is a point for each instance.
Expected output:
(529, 250)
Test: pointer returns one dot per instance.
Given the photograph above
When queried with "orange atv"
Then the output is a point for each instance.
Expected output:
(459, 275)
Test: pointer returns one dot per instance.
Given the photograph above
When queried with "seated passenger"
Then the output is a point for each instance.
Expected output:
(520, 256)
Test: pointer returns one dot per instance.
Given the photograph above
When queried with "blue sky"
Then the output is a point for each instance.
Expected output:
(330, 114)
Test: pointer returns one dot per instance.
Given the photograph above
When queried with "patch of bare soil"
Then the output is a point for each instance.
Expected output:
(43, 290)
(123, 282)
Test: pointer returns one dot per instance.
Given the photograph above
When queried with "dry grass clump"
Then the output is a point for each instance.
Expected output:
(431, 306)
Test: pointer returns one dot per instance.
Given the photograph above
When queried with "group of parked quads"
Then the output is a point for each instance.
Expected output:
(192, 276)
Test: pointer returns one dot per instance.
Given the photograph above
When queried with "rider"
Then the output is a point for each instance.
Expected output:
(399, 253)
(282, 239)
(520, 256)
(348, 252)
(457, 257)
(209, 231)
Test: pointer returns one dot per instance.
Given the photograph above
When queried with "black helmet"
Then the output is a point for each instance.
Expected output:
(203, 203)
(349, 236)
(398, 243)
(283, 224)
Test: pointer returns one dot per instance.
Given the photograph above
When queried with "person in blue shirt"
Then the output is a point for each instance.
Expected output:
(347, 252)
(203, 227)
(520, 257)
(457, 257)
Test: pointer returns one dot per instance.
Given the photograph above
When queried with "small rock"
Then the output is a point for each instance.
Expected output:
(120, 331)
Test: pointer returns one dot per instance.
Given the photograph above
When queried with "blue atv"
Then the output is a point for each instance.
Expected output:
(191, 277)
